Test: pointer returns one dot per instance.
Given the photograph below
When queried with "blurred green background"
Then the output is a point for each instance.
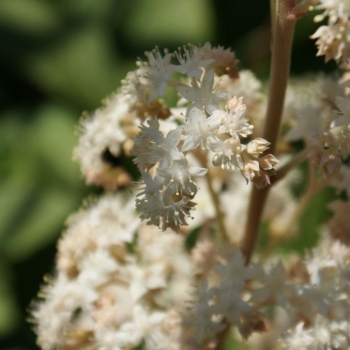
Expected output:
(61, 57)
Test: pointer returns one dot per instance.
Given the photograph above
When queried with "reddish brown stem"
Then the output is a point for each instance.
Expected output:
(282, 31)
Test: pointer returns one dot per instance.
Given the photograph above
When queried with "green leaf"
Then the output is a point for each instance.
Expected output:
(81, 68)
(315, 215)
(42, 223)
(52, 137)
(13, 198)
(9, 312)
(157, 21)
(29, 16)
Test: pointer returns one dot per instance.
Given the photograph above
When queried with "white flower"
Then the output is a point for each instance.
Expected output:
(299, 338)
(198, 321)
(203, 96)
(148, 325)
(106, 130)
(309, 123)
(233, 120)
(199, 130)
(151, 146)
(224, 60)
(227, 153)
(109, 338)
(191, 62)
(228, 302)
(157, 73)
(274, 287)
(179, 177)
(334, 9)
(146, 278)
(152, 185)
(257, 146)
(96, 268)
(235, 272)
(321, 295)
(333, 41)
(165, 211)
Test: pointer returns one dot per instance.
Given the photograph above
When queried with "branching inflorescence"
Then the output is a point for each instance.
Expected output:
(194, 126)
(214, 123)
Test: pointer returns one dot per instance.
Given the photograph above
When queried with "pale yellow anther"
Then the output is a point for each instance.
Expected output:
(318, 18)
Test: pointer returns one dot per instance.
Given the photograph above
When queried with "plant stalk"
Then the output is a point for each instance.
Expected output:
(282, 37)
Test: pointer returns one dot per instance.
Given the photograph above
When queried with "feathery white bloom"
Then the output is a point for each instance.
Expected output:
(199, 130)
(179, 177)
(274, 287)
(112, 299)
(324, 334)
(333, 39)
(156, 73)
(106, 130)
(228, 298)
(224, 61)
(198, 321)
(233, 119)
(204, 96)
(333, 9)
(191, 62)
(299, 338)
(151, 146)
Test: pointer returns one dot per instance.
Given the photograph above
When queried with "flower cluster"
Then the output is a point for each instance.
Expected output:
(333, 39)
(109, 292)
(333, 145)
(121, 283)
(312, 291)
(319, 114)
(214, 124)
(104, 136)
